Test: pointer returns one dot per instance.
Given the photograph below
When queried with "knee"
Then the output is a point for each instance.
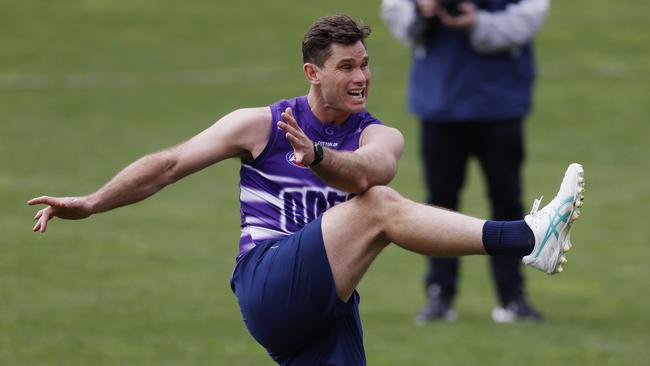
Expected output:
(380, 200)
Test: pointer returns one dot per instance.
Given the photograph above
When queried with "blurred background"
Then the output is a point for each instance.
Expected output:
(87, 86)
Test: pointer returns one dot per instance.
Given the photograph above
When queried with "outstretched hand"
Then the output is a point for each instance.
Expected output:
(71, 208)
(303, 146)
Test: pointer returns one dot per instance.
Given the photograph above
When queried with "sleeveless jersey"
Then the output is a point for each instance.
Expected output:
(279, 196)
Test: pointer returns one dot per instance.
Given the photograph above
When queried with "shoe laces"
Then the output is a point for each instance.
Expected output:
(536, 204)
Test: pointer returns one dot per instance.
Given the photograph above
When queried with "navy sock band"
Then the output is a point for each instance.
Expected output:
(513, 238)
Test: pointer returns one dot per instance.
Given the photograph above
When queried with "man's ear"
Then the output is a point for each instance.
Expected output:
(311, 73)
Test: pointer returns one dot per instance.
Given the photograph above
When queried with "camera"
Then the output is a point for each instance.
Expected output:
(451, 6)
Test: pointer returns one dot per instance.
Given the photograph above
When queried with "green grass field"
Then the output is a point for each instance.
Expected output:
(87, 86)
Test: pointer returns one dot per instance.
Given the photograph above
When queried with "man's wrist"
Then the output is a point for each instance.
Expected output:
(319, 153)
(91, 202)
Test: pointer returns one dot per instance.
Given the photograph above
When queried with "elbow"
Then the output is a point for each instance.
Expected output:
(171, 172)
(359, 186)
(364, 183)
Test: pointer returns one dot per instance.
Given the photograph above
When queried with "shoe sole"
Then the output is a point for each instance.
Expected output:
(578, 202)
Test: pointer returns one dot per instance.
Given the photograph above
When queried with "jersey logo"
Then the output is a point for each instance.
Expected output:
(291, 159)
(330, 131)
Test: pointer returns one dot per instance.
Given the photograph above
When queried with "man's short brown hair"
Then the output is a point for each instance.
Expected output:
(317, 44)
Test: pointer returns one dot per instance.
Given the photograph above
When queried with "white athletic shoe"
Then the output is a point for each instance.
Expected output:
(552, 224)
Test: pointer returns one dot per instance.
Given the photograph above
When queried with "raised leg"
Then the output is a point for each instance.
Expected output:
(356, 231)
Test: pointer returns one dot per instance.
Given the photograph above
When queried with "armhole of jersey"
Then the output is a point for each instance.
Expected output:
(271, 141)
(364, 125)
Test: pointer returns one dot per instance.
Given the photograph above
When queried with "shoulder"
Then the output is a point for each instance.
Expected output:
(248, 128)
(249, 116)
(379, 133)
(246, 121)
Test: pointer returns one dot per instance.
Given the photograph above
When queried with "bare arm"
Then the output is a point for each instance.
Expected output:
(373, 163)
(242, 133)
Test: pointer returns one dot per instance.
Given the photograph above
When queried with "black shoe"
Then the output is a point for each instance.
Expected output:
(436, 308)
(516, 311)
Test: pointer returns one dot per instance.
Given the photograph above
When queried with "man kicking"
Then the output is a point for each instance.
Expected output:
(315, 210)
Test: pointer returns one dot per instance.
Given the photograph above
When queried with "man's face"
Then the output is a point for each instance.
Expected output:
(345, 78)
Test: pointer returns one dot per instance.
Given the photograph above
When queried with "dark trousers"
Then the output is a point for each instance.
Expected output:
(498, 146)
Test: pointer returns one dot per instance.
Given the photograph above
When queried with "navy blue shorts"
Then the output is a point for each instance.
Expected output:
(287, 297)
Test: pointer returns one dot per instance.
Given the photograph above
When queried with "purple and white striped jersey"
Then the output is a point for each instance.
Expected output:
(279, 196)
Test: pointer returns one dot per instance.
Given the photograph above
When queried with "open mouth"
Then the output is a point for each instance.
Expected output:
(357, 93)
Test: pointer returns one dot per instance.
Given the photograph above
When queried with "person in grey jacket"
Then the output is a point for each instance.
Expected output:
(471, 86)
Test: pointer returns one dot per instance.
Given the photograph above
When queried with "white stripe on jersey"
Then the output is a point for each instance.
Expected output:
(261, 233)
(251, 220)
(275, 178)
(253, 195)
